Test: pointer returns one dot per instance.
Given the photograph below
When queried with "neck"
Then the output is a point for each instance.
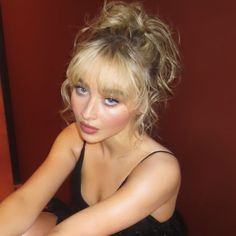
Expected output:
(118, 147)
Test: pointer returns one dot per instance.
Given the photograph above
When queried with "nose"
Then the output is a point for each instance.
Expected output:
(90, 110)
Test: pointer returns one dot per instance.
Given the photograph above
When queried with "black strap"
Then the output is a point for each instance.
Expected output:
(76, 179)
(81, 158)
(150, 154)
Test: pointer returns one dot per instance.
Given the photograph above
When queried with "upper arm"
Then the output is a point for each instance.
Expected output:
(25, 204)
(152, 183)
(43, 184)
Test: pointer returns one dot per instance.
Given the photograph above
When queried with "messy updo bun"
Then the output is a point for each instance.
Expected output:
(139, 43)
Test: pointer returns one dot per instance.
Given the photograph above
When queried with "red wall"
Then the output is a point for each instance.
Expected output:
(6, 181)
(38, 36)
(198, 126)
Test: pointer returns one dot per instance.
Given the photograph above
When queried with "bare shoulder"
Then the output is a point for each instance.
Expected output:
(161, 161)
(53, 171)
(70, 132)
(69, 139)
(159, 172)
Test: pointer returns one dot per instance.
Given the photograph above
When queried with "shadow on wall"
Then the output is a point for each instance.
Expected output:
(6, 181)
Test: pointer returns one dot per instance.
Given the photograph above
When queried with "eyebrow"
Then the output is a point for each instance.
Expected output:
(106, 91)
(114, 92)
(83, 83)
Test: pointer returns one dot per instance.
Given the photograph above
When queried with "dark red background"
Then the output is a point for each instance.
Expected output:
(198, 125)
(6, 180)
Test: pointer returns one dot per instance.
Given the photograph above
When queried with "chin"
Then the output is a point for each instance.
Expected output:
(92, 139)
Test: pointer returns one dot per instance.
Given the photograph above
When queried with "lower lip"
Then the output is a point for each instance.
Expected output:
(87, 129)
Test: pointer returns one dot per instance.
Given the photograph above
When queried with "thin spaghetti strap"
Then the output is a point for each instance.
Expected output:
(81, 158)
(144, 160)
(76, 179)
(83, 148)
(150, 154)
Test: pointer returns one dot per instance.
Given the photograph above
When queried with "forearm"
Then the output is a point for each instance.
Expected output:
(74, 227)
(16, 215)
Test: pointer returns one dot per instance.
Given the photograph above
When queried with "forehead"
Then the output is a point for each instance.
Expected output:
(108, 76)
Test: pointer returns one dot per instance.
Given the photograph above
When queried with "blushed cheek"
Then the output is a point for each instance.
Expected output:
(117, 119)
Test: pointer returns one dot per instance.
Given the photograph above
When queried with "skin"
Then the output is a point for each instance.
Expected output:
(112, 154)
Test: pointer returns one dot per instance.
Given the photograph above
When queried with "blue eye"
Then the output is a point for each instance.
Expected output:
(111, 101)
(81, 90)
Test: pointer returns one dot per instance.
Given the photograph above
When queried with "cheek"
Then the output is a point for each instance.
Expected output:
(117, 118)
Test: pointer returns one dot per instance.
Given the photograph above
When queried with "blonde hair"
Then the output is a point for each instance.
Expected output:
(139, 44)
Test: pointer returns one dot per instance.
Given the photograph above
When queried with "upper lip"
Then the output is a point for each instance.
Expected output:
(87, 125)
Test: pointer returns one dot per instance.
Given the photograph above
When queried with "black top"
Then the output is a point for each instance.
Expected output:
(146, 227)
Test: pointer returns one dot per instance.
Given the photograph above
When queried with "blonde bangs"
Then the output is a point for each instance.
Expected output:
(92, 65)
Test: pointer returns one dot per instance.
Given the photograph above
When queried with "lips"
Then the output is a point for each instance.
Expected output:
(88, 129)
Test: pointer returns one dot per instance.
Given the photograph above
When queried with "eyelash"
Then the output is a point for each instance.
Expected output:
(108, 101)
(111, 101)
(80, 90)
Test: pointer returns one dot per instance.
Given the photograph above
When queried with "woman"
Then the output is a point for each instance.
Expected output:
(124, 182)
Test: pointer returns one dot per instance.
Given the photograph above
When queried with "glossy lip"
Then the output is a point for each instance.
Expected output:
(88, 129)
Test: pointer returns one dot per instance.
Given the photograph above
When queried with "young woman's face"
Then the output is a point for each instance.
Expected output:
(100, 113)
